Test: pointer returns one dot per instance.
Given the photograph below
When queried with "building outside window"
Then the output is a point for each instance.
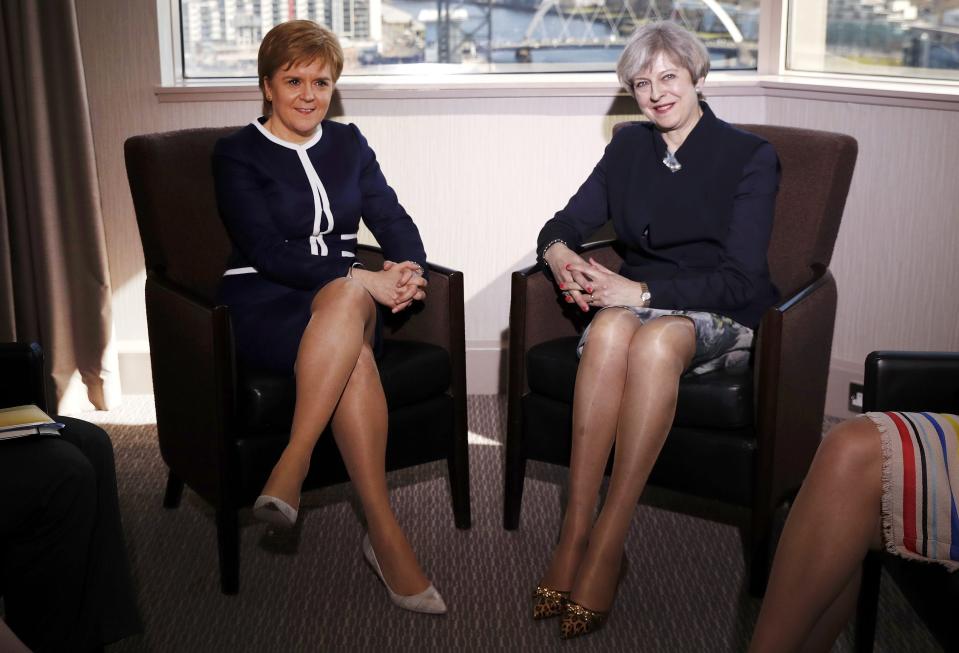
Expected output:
(911, 38)
(220, 37)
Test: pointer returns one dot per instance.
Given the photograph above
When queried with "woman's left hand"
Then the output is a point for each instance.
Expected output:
(609, 288)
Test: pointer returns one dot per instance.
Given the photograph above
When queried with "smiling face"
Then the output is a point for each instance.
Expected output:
(301, 96)
(666, 94)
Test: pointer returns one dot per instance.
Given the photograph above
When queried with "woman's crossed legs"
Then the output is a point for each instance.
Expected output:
(337, 379)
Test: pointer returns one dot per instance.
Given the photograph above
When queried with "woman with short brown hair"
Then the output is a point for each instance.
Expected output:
(292, 188)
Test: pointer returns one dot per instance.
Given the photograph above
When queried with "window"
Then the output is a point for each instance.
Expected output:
(219, 38)
(910, 38)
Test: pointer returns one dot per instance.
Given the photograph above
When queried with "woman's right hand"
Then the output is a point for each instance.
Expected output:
(396, 286)
(573, 284)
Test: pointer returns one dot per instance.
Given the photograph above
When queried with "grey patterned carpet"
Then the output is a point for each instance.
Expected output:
(311, 590)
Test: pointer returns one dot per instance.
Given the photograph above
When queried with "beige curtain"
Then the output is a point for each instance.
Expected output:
(54, 277)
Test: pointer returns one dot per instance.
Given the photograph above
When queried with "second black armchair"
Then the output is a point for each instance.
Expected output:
(745, 437)
(911, 381)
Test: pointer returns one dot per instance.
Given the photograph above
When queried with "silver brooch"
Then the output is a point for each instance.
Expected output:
(671, 162)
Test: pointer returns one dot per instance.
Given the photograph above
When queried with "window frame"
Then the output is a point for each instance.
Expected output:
(771, 78)
(172, 63)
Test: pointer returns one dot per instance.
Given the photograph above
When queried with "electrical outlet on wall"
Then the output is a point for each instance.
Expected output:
(855, 397)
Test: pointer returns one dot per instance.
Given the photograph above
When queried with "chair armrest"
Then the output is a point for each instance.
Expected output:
(439, 320)
(435, 320)
(191, 356)
(912, 381)
(791, 370)
(21, 375)
(537, 314)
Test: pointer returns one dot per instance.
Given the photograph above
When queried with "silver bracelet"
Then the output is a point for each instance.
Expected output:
(349, 273)
(550, 244)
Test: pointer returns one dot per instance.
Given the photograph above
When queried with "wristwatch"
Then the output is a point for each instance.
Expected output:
(646, 296)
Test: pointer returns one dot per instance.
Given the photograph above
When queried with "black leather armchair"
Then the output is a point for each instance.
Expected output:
(22, 380)
(745, 438)
(221, 427)
(911, 381)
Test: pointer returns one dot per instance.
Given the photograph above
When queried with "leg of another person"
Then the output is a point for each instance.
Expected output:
(110, 608)
(600, 380)
(360, 430)
(831, 526)
(342, 323)
(659, 351)
(47, 514)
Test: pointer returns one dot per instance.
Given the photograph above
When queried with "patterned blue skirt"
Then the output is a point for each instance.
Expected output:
(721, 342)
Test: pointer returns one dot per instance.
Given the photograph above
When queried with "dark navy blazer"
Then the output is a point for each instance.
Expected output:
(293, 213)
(697, 237)
(300, 231)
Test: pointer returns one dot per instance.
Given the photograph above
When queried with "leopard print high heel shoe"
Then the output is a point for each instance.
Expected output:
(548, 602)
(579, 620)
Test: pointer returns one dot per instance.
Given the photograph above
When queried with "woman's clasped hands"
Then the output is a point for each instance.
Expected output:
(590, 284)
(396, 286)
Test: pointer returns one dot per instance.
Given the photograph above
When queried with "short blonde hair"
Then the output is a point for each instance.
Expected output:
(661, 37)
(293, 42)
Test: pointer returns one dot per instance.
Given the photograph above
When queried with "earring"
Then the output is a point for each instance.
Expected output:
(269, 98)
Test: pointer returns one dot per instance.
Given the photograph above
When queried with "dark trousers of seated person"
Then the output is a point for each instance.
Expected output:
(64, 574)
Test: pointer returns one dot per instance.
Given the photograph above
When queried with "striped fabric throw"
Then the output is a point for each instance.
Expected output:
(920, 483)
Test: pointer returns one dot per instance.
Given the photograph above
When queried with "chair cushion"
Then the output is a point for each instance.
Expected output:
(410, 371)
(721, 399)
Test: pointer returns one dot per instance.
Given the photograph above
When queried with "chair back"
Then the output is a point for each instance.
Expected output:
(21, 375)
(817, 169)
(171, 180)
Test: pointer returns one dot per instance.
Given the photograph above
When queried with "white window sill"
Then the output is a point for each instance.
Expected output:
(835, 88)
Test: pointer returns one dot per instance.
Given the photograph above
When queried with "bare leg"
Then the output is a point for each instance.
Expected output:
(360, 429)
(596, 402)
(833, 522)
(658, 353)
(835, 618)
(344, 316)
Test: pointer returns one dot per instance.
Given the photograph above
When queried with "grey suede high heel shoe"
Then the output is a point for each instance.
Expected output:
(428, 601)
(274, 511)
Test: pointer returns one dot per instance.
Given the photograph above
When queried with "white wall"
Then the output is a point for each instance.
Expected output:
(895, 261)
(481, 175)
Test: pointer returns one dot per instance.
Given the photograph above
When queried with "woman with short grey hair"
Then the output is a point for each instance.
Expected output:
(691, 199)
(667, 38)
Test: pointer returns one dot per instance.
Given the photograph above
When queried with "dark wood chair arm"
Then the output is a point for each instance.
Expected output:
(21, 375)
(537, 312)
(439, 320)
(792, 365)
(191, 353)
(912, 381)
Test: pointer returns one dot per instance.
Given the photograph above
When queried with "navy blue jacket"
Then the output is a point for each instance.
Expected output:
(697, 237)
(293, 211)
